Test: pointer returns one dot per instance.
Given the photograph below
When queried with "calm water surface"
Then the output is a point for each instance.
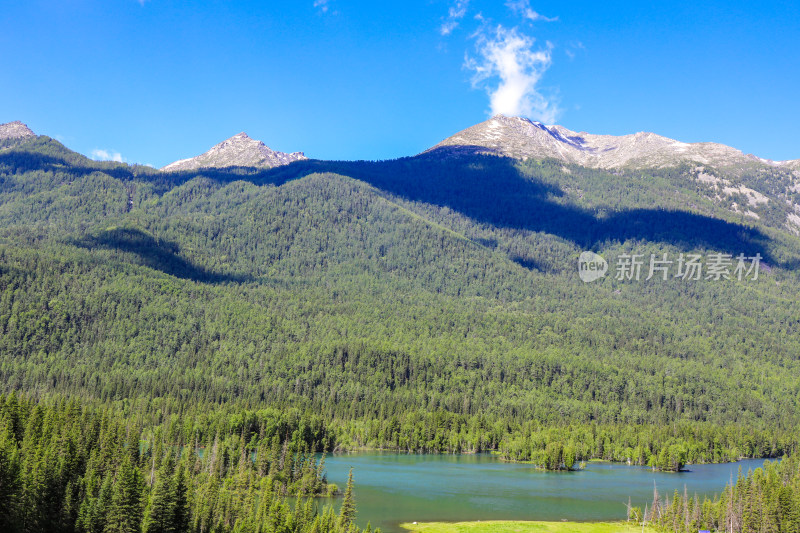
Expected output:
(394, 488)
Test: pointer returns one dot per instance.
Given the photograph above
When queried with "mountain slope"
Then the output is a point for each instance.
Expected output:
(427, 303)
(240, 151)
(522, 138)
(746, 185)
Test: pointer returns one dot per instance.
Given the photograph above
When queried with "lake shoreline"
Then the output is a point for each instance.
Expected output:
(498, 456)
(524, 526)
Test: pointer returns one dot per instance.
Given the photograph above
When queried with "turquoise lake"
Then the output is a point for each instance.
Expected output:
(392, 488)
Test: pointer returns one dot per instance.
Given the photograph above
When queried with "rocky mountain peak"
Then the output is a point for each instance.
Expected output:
(521, 138)
(15, 130)
(239, 150)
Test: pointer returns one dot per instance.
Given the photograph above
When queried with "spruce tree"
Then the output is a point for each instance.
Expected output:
(180, 509)
(347, 514)
(160, 509)
(10, 480)
(125, 515)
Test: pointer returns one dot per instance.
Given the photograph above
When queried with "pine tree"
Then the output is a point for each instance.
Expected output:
(160, 509)
(94, 509)
(180, 509)
(10, 481)
(125, 515)
(347, 514)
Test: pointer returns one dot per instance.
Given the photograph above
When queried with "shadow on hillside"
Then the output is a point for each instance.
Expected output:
(486, 188)
(490, 189)
(159, 255)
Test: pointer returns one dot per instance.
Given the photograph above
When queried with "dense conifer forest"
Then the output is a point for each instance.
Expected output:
(766, 499)
(83, 466)
(428, 304)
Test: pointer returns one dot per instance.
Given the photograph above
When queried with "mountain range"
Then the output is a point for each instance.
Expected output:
(428, 303)
(515, 137)
(741, 183)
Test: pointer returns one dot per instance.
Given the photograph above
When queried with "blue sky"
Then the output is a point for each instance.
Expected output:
(154, 81)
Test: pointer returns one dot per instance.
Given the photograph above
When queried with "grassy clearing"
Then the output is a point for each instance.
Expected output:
(502, 526)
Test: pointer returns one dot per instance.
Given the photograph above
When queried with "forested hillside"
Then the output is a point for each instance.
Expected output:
(422, 304)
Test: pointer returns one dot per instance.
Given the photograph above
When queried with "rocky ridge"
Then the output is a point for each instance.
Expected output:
(239, 150)
(521, 138)
(15, 130)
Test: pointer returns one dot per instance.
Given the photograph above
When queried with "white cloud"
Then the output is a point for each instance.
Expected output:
(509, 68)
(454, 15)
(107, 155)
(523, 8)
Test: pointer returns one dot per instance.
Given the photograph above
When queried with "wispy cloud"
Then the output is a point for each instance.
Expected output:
(573, 48)
(322, 5)
(454, 15)
(508, 67)
(523, 8)
(505, 61)
(107, 155)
